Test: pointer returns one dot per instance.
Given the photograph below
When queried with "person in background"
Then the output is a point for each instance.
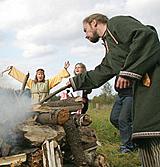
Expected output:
(121, 117)
(133, 53)
(79, 69)
(40, 86)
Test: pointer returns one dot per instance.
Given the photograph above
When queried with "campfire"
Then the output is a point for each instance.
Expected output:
(48, 135)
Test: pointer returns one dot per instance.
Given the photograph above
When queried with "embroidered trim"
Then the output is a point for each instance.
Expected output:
(114, 39)
(130, 74)
(145, 134)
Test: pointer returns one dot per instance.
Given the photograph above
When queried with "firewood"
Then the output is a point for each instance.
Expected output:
(58, 117)
(36, 134)
(71, 104)
(5, 149)
(51, 154)
(100, 161)
(82, 120)
(13, 159)
(35, 159)
(73, 139)
(87, 134)
(66, 102)
(47, 109)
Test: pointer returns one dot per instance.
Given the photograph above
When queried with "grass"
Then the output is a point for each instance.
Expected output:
(108, 136)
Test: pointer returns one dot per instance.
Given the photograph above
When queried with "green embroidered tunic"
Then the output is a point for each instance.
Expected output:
(133, 51)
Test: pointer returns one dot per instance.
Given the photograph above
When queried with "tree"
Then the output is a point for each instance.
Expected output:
(106, 97)
(107, 90)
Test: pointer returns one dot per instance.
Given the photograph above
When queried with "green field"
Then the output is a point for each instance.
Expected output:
(108, 136)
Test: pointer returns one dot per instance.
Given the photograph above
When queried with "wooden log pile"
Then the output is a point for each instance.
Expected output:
(53, 137)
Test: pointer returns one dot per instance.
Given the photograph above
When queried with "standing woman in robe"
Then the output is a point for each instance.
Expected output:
(40, 87)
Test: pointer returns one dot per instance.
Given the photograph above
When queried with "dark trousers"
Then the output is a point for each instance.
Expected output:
(121, 118)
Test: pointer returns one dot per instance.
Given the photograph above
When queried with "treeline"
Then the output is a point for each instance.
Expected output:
(106, 98)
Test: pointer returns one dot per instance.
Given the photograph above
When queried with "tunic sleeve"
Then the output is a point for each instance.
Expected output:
(94, 78)
(58, 78)
(19, 76)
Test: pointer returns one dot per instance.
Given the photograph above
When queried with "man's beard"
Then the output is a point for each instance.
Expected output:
(95, 37)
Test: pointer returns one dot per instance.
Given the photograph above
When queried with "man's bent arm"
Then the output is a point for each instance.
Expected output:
(94, 78)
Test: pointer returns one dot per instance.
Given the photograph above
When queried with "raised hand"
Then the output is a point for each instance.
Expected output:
(66, 64)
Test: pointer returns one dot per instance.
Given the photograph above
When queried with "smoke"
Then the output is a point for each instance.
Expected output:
(14, 109)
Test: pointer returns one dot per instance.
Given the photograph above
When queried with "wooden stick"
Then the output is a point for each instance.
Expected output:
(51, 154)
(24, 84)
(52, 94)
(13, 159)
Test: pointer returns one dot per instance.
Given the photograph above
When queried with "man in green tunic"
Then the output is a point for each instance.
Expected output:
(133, 53)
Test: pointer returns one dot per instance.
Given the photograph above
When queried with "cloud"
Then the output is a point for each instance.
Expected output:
(84, 50)
(13, 12)
(2, 41)
(49, 32)
(40, 26)
(145, 10)
(34, 50)
(88, 52)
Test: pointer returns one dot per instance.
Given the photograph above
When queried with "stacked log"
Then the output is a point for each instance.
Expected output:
(54, 136)
(73, 139)
(52, 154)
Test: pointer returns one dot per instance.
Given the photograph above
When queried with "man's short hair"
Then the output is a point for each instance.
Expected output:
(100, 18)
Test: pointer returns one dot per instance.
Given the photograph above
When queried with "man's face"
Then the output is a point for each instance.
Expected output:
(40, 76)
(91, 32)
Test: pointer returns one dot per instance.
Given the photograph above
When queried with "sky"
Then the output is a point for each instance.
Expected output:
(44, 34)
